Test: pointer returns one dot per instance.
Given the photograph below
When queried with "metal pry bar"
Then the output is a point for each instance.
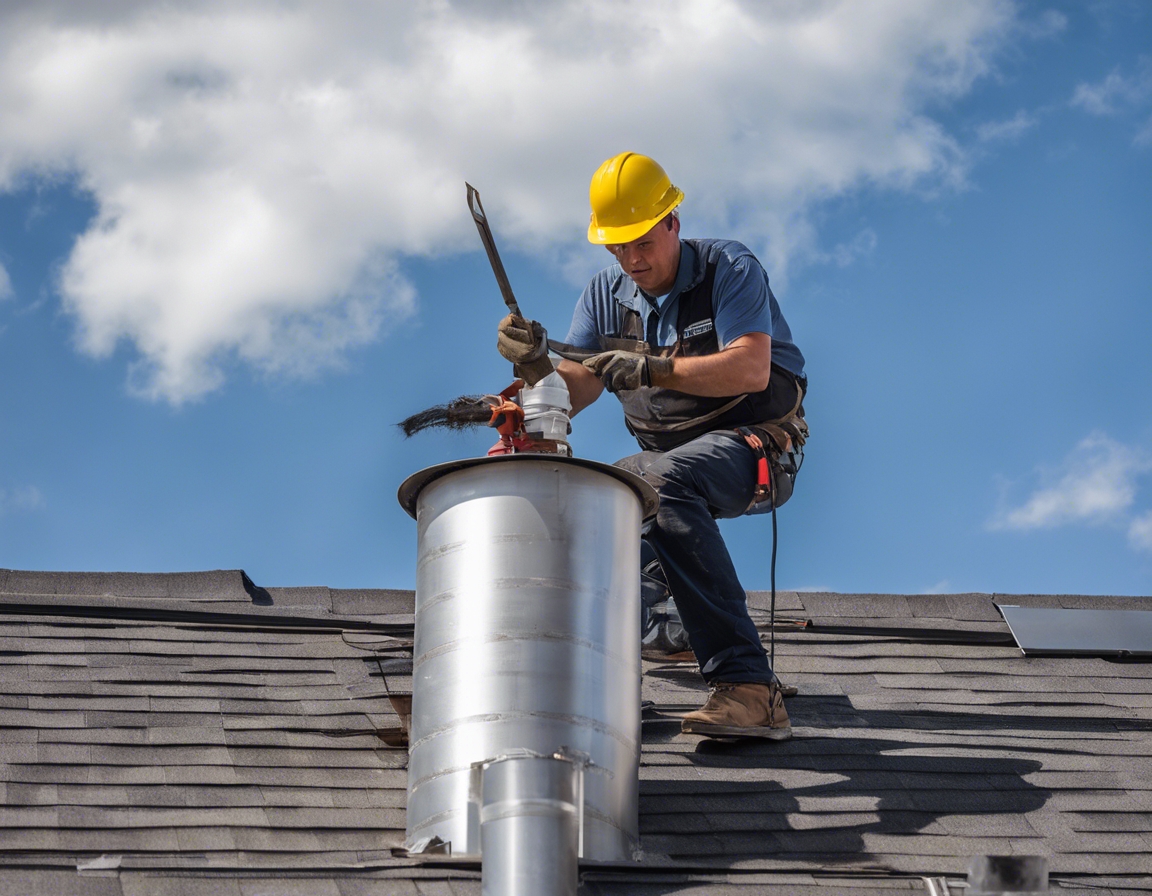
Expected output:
(481, 219)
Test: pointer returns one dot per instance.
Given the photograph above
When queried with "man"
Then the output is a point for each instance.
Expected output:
(689, 337)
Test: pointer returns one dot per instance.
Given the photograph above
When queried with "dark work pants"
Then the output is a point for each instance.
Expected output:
(709, 478)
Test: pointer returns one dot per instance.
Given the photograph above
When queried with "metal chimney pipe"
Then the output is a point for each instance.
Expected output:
(530, 819)
(527, 639)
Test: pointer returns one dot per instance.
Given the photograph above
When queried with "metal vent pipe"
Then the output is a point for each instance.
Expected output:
(526, 646)
(531, 811)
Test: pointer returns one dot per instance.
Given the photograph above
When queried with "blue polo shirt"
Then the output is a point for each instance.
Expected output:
(742, 302)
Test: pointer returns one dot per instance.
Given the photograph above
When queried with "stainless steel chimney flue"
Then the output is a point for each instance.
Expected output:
(531, 810)
(527, 643)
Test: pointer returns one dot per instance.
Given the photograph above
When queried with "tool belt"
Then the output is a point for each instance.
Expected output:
(779, 448)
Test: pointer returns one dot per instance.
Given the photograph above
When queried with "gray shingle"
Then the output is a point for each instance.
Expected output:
(153, 884)
(263, 737)
(383, 797)
(105, 840)
(150, 719)
(334, 758)
(905, 752)
(187, 735)
(870, 606)
(51, 882)
(180, 775)
(989, 824)
(215, 796)
(29, 817)
(289, 887)
(117, 704)
(121, 774)
(362, 819)
(787, 602)
(119, 660)
(303, 797)
(1136, 822)
(217, 585)
(372, 602)
(93, 735)
(17, 753)
(360, 886)
(317, 599)
(279, 841)
(206, 839)
(1099, 843)
(16, 794)
(45, 774)
(51, 673)
(99, 795)
(175, 817)
(138, 671)
(24, 718)
(66, 754)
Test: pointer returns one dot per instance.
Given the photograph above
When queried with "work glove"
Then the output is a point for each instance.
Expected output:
(622, 371)
(525, 344)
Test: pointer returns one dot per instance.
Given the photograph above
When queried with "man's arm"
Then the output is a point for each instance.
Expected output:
(584, 387)
(740, 367)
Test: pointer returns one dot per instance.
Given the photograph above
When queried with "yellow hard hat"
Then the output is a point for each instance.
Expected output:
(630, 194)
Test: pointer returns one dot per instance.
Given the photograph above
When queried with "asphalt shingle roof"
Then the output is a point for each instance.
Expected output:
(203, 734)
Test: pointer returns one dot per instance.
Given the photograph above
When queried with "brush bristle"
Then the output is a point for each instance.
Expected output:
(460, 413)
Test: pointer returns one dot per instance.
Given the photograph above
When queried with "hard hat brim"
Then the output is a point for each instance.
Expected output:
(607, 236)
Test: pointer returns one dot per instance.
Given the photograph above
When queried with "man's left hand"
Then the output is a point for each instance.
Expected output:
(622, 371)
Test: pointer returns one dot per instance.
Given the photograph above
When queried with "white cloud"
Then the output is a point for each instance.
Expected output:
(22, 498)
(260, 168)
(1140, 532)
(5, 284)
(1096, 483)
(1116, 91)
(1048, 24)
(1006, 131)
(864, 243)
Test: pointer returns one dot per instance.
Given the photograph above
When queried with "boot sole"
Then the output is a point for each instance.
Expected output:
(709, 730)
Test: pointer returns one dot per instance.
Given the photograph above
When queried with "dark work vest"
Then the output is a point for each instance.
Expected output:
(664, 418)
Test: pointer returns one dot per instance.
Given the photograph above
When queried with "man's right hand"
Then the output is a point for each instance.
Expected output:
(521, 341)
(525, 344)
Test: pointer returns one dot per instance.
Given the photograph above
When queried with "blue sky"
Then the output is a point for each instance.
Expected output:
(235, 252)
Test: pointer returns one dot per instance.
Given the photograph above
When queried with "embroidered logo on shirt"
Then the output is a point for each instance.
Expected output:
(698, 329)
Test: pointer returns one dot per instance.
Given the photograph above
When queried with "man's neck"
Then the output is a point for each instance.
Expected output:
(666, 288)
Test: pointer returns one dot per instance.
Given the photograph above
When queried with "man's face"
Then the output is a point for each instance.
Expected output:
(652, 259)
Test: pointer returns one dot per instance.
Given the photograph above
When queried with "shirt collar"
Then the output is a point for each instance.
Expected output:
(687, 274)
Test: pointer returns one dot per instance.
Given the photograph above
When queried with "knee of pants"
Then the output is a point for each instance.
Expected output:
(682, 509)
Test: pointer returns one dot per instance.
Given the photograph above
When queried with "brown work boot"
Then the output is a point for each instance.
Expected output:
(741, 709)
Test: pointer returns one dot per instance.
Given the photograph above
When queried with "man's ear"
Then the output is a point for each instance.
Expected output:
(673, 223)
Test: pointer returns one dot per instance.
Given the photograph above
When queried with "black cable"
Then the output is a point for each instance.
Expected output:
(772, 576)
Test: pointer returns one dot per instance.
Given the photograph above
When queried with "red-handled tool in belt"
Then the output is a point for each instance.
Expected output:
(764, 486)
